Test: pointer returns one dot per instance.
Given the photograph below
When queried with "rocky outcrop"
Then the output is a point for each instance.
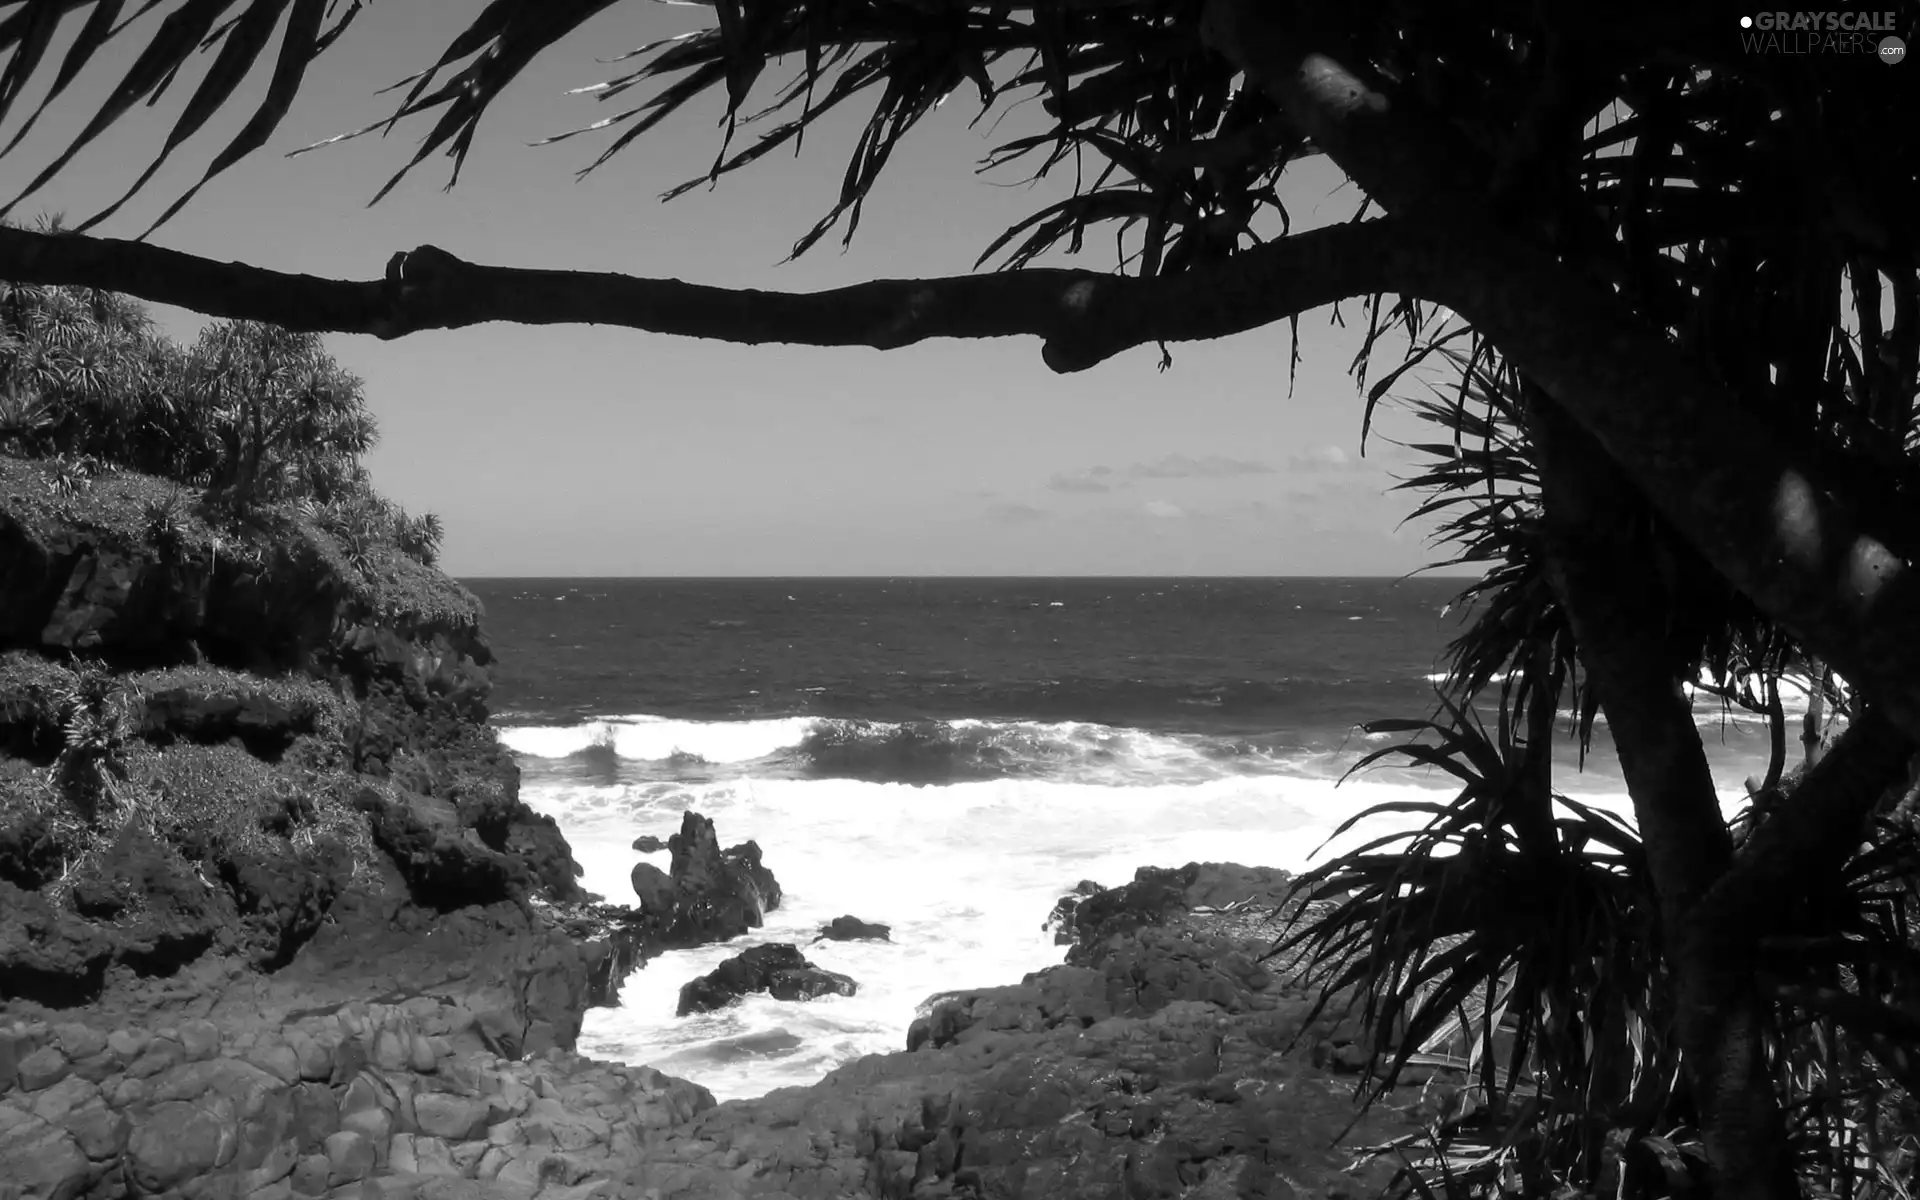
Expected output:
(853, 929)
(709, 895)
(266, 730)
(1174, 1065)
(1171, 1064)
(1158, 894)
(778, 969)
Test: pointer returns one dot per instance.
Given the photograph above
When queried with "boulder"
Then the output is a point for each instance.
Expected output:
(779, 969)
(654, 888)
(649, 844)
(853, 929)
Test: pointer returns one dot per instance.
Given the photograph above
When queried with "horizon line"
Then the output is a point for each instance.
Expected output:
(744, 578)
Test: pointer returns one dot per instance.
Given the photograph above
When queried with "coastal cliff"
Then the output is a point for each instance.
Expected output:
(221, 743)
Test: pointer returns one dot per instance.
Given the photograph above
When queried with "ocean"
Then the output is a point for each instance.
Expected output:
(949, 756)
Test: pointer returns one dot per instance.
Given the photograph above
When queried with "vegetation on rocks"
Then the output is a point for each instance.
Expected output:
(233, 687)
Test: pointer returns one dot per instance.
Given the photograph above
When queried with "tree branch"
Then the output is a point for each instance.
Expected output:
(1813, 831)
(1083, 317)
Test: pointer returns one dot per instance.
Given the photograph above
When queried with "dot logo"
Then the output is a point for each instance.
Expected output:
(1746, 22)
(1892, 49)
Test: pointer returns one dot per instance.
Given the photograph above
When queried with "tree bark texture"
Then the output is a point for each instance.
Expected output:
(1619, 617)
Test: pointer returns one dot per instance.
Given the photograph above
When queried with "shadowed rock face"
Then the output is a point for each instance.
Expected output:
(778, 969)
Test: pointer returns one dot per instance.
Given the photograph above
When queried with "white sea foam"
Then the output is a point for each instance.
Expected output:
(656, 739)
(964, 872)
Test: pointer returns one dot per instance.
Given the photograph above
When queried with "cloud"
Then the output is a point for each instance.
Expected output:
(1325, 458)
(1083, 481)
(1015, 514)
(1162, 509)
(1213, 466)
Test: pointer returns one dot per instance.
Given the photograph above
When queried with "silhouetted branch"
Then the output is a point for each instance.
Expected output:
(1083, 317)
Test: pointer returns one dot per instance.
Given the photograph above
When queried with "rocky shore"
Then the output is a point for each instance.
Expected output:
(274, 923)
(1164, 1061)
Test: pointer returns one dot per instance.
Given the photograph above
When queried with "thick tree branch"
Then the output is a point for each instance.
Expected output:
(1813, 832)
(1083, 317)
(1757, 509)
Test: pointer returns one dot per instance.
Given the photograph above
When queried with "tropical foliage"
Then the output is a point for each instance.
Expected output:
(1626, 1003)
(248, 417)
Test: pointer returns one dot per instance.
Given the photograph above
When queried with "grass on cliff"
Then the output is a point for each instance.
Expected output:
(113, 762)
(52, 500)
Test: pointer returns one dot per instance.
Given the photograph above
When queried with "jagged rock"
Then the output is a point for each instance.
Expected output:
(779, 969)
(720, 894)
(1060, 920)
(648, 844)
(853, 929)
(709, 894)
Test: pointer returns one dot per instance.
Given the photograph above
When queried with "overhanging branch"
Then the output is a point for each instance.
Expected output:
(1083, 317)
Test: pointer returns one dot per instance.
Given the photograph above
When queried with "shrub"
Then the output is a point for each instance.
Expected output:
(250, 416)
(99, 718)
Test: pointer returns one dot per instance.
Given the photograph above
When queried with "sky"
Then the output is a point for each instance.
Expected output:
(608, 452)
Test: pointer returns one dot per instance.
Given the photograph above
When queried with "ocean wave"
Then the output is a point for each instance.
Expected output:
(643, 738)
(906, 752)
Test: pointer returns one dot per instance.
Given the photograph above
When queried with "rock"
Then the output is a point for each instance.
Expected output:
(350, 1157)
(177, 1141)
(100, 1132)
(390, 1050)
(199, 1039)
(1060, 920)
(79, 1041)
(721, 894)
(453, 1118)
(655, 889)
(55, 1103)
(421, 1056)
(779, 969)
(128, 1043)
(849, 929)
(444, 868)
(649, 844)
(310, 1175)
(278, 1060)
(43, 1068)
(40, 1160)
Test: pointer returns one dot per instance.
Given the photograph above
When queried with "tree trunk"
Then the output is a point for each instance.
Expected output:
(1619, 618)
(1812, 729)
